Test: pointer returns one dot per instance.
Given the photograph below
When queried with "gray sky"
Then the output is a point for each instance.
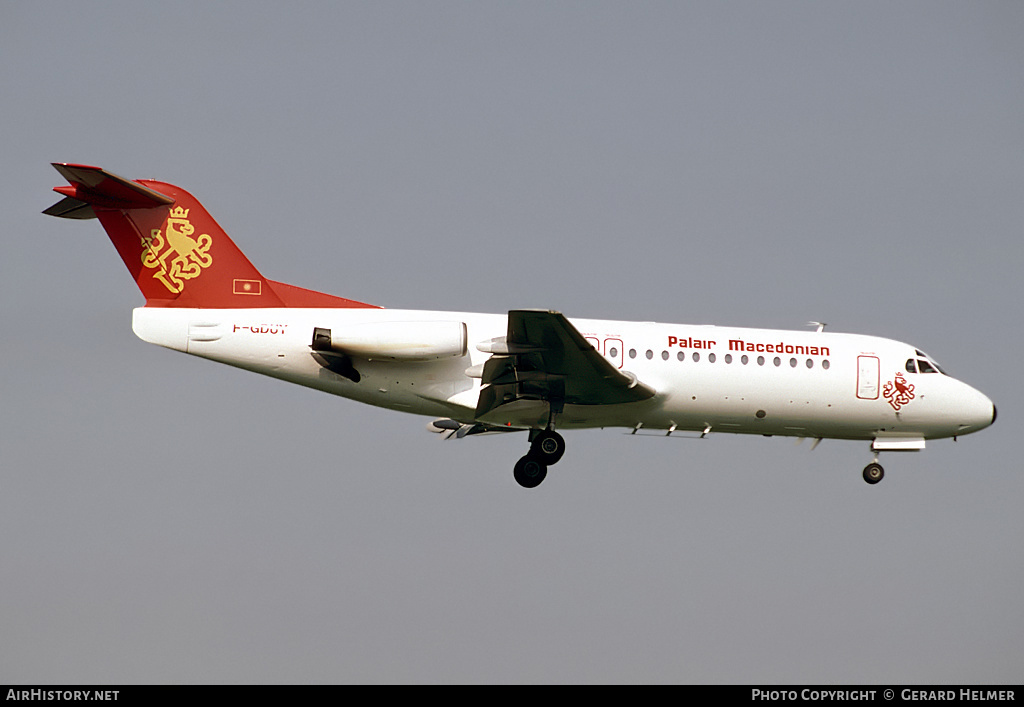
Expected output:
(167, 519)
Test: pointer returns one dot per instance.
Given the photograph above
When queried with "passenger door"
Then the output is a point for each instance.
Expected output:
(868, 374)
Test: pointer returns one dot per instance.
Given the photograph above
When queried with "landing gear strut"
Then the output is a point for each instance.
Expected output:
(873, 473)
(546, 448)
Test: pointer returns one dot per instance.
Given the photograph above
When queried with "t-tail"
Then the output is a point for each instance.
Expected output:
(176, 252)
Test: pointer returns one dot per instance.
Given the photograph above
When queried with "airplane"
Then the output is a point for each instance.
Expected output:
(526, 370)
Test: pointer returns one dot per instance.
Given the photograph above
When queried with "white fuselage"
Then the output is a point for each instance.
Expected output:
(706, 378)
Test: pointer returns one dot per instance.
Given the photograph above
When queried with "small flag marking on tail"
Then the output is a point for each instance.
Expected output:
(247, 287)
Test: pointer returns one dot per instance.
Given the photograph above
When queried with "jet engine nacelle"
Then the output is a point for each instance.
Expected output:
(395, 341)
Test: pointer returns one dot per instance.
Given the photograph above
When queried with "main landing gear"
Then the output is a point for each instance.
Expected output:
(546, 448)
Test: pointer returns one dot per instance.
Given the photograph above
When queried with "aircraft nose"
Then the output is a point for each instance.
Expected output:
(981, 412)
(974, 410)
(990, 419)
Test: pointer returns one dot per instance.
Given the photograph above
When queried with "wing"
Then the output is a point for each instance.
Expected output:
(545, 358)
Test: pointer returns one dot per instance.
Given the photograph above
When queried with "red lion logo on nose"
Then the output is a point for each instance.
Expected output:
(898, 392)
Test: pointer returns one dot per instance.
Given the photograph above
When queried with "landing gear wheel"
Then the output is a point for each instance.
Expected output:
(873, 473)
(548, 446)
(530, 471)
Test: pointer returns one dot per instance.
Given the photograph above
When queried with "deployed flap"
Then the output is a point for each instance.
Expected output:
(544, 357)
(453, 429)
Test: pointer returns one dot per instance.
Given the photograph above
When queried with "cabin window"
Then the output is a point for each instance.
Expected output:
(681, 355)
(728, 358)
(632, 353)
(777, 361)
(696, 356)
(744, 359)
(810, 363)
(613, 352)
(664, 355)
(760, 360)
(792, 363)
(825, 364)
(650, 354)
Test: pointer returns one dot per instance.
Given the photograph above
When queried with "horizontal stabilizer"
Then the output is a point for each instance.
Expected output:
(93, 186)
(69, 207)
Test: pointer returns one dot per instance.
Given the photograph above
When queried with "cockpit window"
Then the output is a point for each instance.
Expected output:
(925, 364)
(911, 366)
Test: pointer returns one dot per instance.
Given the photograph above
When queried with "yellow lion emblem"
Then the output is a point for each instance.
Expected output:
(190, 255)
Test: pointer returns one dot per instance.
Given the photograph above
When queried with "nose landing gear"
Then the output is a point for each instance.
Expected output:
(546, 448)
(873, 472)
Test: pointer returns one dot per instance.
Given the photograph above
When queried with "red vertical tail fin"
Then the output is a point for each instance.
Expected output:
(178, 255)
